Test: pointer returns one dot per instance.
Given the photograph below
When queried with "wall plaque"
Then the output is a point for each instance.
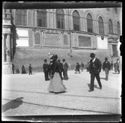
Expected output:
(84, 41)
(52, 39)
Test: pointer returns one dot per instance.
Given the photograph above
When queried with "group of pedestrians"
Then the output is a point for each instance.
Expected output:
(48, 68)
(15, 70)
(56, 71)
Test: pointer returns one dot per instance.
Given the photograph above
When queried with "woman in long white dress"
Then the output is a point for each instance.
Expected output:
(56, 83)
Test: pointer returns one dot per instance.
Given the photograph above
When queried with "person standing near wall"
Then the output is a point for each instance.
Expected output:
(46, 70)
(13, 68)
(106, 68)
(30, 69)
(77, 69)
(65, 70)
(23, 69)
(116, 66)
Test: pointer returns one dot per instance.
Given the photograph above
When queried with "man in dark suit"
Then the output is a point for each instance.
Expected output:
(106, 68)
(13, 68)
(30, 69)
(94, 69)
(46, 69)
(65, 70)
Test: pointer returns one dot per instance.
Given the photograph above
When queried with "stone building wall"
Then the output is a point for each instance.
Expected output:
(53, 37)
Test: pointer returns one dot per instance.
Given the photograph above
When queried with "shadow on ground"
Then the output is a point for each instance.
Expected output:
(12, 104)
(95, 86)
(102, 78)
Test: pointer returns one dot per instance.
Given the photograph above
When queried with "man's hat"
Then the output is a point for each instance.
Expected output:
(106, 58)
(92, 55)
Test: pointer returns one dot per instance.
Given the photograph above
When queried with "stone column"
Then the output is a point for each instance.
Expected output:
(7, 30)
(8, 48)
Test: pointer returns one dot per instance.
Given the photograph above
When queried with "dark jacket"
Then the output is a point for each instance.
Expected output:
(23, 70)
(106, 64)
(55, 67)
(45, 67)
(77, 66)
(65, 66)
(30, 68)
(95, 67)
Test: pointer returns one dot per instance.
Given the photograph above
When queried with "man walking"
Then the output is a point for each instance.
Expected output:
(106, 68)
(13, 68)
(46, 69)
(65, 69)
(77, 69)
(30, 69)
(94, 69)
(116, 66)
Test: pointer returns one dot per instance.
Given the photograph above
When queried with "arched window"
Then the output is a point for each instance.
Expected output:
(21, 17)
(60, 18)
(76, 21)
(118, 28)
(101, 26)
(110, 27)
(41, 18)
(89, 23)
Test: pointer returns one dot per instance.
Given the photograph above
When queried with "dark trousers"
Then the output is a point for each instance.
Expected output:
(13, 71)
(46, 76)
(93, 76)
(30, 72)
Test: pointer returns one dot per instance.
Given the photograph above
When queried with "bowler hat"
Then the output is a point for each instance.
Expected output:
(92, 55)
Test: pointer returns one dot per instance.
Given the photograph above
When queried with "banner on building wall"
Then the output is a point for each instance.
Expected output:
(23, 38)
(84, 41)
(52, 39)
(22, 42)
(102, 43)
(22, 32)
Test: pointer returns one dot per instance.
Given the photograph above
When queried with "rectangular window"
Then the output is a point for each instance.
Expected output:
(21, 17)
(89, 29)
(76, 27)
(41, 19)
(39, 22)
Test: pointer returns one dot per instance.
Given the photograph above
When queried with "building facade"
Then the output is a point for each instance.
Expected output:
(92, 29)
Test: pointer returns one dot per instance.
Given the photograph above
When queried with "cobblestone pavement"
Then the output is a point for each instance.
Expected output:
(32, 96)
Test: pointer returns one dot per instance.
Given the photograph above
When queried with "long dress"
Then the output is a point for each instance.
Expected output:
(56, 83)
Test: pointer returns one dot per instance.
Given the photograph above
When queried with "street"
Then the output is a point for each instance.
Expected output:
(24, 94)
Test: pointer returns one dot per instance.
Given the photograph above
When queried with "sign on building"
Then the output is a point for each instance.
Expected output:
(102, 43)
(84, 41)
(52, 39)
(23, 38)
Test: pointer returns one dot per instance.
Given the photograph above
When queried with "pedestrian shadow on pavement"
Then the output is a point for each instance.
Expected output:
(12, 104)
(95, 86)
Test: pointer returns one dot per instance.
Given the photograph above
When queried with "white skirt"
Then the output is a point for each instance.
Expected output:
(56, 84)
